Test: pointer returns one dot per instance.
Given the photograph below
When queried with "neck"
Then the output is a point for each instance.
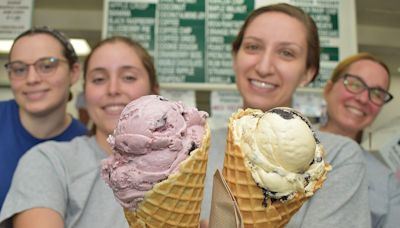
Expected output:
(45, 126)
(333, 128)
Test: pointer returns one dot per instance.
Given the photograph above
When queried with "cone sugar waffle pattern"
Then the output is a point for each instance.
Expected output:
(176, 201)
(249, 196)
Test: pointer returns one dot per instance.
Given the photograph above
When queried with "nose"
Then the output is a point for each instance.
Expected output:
(113, 87)
(32, 76)
(264, 66)
(363, 97)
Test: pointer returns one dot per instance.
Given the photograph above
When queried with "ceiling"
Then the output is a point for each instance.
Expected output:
(378, 24)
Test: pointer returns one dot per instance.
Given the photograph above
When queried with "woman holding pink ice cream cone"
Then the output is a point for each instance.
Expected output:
(275, 52)
(59, 184)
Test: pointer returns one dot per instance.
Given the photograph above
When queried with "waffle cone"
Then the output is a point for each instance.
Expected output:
(176, 201)
(249, 196)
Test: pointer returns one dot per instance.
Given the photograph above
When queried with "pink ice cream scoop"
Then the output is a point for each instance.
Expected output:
(152, 137)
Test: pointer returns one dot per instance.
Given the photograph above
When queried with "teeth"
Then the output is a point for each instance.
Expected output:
(114, 108)
(35, 95)
(355, 111)
(261, 84)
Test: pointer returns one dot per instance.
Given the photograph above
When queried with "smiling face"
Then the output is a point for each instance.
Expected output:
(271, 61)
(349, 113)
(115, 76)
(41, 95)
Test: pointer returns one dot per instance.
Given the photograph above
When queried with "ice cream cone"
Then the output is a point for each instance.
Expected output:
(176, 201)
(249, 196)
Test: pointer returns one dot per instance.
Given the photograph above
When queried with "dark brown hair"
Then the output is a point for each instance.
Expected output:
(68, 50)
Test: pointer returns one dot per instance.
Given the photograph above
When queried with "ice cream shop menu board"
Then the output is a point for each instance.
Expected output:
(191, 39)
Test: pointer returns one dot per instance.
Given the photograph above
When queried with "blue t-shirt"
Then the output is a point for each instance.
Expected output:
(15, 140)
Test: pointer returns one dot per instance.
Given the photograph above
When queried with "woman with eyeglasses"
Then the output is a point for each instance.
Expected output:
(58, 184)
(354, 96)
(42, 66)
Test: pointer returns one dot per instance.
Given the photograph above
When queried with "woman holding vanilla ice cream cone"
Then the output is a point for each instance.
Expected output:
(275, 52)
(59, 184)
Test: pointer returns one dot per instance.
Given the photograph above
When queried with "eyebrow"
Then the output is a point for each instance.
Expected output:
(363, 81)
(123, 67)
(284, 43)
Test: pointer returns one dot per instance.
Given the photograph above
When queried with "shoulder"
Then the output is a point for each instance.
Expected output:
(375, 165)
(7, 103)
(55, 150)
(379, 175)
(8, 106)
(340, 149)
(65, 159)
(76, 124)
(76, 128)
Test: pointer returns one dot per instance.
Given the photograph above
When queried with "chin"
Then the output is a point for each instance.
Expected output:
(257, 105)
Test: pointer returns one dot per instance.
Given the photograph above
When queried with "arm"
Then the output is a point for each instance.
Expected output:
(38, 218)
(393, 219)
(39, 182)
(343, 199)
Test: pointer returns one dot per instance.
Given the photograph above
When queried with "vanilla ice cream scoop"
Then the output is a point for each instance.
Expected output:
(281, 151)
(286, 140)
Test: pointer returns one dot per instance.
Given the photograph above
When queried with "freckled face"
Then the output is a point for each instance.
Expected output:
(271, 61)
(355, 111)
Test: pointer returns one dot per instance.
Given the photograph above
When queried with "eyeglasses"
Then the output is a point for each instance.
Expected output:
(356, 85)
(44, 67)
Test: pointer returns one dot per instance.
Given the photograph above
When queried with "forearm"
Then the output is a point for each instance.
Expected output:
(38, 218)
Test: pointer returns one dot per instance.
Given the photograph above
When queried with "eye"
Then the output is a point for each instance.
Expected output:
(377, 94)
(356, 85)
(287, 53)
(129, 77)
(252, 47)
(47, 65)
(98, 78)
(19, 69)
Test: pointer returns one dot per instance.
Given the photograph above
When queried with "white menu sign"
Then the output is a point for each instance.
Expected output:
(15, 17)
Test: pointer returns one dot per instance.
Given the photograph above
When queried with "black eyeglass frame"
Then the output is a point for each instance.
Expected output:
(388, 97)
(52, 60)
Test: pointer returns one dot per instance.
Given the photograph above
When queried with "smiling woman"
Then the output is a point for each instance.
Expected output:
(110, 85)
(42, 66)
(275, 52)
(355, 95)
(117, 71)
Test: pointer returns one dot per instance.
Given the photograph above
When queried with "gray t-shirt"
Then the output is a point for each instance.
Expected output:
(64, 176)
(341, 202)
(384, 194)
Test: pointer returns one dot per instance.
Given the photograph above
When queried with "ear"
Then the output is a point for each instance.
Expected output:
(328, 88)
(75, 73)
(308, 77)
